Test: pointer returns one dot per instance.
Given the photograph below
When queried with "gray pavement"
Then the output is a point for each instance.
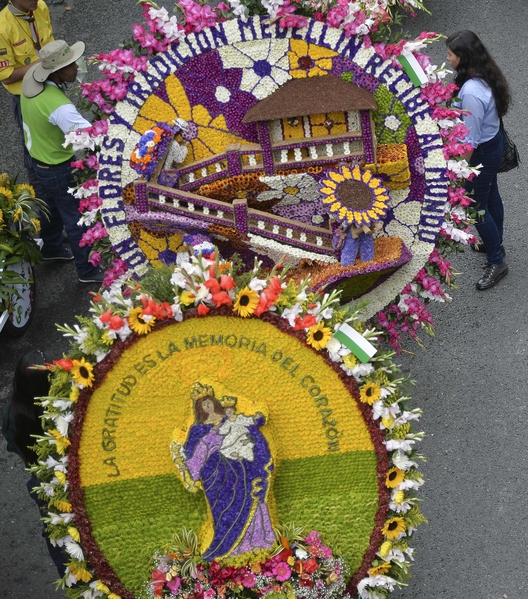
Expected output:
(470, 378)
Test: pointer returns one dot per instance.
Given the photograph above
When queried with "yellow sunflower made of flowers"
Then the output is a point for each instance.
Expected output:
(380, 569)
(353, 196)
(246, 302)
(138, 324)
(309, 60)
(25, 187)
(394, 527)
(82, 372)
(394, 477)
(318, 336)
(370, 393)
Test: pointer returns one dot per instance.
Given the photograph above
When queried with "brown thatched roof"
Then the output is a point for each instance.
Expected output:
(312, 95)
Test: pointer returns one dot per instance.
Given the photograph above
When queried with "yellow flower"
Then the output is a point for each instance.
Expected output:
(36, 224)
(138, 324)
(74, 533)
(394, 527)
(82, 372)
(100, 586)
(60, 442)
(155, 244)
(354, 196)
(399, 497)
(114, 596)
(74, 394)
(106, 339)
(350, 361)
(318, 336)
(17, 214)
(394, 477)
(380, 569)
(370, 393)
(309, 60)
(22, 186)
(63, 506)
(4, 179)
(187, 298)
(388, 422)
(61, 477)
(385, 548)
(80, 572)
(7, 193)
(246, 302)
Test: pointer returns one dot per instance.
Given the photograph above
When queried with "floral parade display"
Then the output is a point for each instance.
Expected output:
(227, 422)
(211, 434)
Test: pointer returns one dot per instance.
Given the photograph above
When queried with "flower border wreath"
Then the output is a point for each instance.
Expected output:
(204, 285)
(120, 68)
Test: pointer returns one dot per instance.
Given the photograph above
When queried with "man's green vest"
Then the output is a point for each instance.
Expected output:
(44, 140)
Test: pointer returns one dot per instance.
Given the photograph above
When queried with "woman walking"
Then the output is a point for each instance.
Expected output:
(484, 92)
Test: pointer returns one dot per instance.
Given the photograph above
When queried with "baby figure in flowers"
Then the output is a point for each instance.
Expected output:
(227, 456)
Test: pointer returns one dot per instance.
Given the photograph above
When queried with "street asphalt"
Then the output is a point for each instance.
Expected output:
(470, 378)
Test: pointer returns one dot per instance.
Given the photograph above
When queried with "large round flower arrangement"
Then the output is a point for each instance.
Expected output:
(209, 73)
(343, 473)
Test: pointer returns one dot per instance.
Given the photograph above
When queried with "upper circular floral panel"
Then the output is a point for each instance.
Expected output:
(263, 115)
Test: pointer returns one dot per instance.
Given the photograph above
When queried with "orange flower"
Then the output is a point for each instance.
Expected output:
(64, 363)
(202, 309)
(226, 282)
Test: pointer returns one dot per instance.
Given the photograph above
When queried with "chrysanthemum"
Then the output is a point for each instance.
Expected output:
(354, 196)
(138, 324)
(394, 527)
(380, 569)
(61, 443)
(246, 302)
(370, 393)
(82, 372)
(318, 336)
(394, 477)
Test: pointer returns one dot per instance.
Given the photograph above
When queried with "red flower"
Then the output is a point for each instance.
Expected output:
(304, 323)
(105, 316)
(158, 580)
(64, 363)
(221, 298)
(202, 309)
(226, 282)
(164, 311)
(306, 582)
(310, 566)
(275, 286)
(213, 285)
(116, 322)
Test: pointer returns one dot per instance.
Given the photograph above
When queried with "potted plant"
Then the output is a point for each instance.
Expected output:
(20, 212)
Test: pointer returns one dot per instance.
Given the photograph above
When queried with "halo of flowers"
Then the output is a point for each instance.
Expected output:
(210, 288)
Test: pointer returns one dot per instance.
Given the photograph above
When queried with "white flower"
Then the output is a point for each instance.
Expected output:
(400, 444)
(56, 519)
(257, 284)
(290, 189)
(374, 581)
(380, 410)
(177, 313)
(73, 548)
(301, 553)
(178, 279)
(392, 122)
(88, 218)
(400, 459)
(292, 313)
(264, 64)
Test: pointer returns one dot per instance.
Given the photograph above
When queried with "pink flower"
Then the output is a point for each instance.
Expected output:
(282, 571)
(95, 258)
(249, 580)
(174, 585)
(77, 164)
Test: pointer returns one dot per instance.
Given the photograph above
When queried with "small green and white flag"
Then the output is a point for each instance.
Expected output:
(413, 68)
(356, 343)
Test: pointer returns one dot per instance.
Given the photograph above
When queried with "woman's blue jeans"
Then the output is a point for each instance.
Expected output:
(54, 181)
(487, 197)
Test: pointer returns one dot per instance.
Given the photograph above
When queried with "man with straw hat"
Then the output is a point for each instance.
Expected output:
(48, 114)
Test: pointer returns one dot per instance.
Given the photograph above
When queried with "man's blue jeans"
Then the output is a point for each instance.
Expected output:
(487, 197)
(54, 181)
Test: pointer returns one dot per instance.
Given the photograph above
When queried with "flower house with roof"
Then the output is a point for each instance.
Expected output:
(315, 121)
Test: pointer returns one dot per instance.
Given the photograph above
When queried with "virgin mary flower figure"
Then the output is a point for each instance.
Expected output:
(236, 483)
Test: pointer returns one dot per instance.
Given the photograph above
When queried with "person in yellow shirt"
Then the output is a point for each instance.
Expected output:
(25, 28)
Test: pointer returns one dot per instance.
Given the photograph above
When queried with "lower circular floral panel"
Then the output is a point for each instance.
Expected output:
(276, 410)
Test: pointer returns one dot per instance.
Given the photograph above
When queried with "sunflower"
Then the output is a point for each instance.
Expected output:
(82, 372)
(354, 196)
(25, 186)
(394, 477)
(370, 393)
(7, 193)
(394, 527)
(246, 302)
(136, 322)
(318, 336)
(380, 569)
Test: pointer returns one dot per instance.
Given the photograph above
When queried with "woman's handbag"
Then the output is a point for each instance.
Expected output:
(510, 156)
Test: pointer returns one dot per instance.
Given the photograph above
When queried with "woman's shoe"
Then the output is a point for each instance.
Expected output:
(493, 273)
(481, 248)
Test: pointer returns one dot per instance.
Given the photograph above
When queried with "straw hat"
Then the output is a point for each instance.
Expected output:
(53, 56)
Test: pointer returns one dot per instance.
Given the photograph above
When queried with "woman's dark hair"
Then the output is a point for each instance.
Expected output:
(27, 384)
(476, 62)
(201, 414)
